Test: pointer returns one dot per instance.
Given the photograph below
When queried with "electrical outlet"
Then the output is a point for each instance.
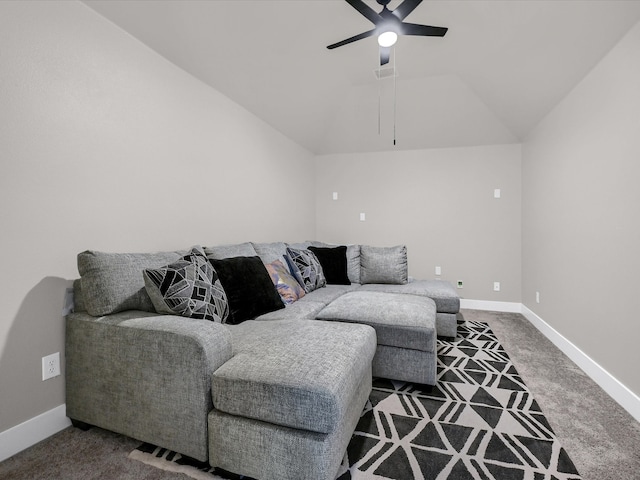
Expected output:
(50, 366)
(496, 286)
(438, 271)
(459, 285)
(537, 297)
(363, 217)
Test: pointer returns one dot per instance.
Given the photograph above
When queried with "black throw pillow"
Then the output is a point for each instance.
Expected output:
(250, 291)
(334, 263)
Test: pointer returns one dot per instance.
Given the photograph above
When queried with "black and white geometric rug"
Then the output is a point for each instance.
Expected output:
(479, 422)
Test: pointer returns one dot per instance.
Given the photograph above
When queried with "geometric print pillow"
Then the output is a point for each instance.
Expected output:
(288, 287)
(188, 287)
(306, 268)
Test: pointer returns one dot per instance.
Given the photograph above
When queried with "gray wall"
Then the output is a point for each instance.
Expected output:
(440, 203)
(106, 145)
(581, 214)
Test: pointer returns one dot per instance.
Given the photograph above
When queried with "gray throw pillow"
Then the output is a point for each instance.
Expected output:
(383, 264)
(188, 287)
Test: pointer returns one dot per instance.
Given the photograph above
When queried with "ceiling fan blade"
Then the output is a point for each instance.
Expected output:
(366, 10)
(355, 38)
(385, 53)
(423, 30)
(405, 8)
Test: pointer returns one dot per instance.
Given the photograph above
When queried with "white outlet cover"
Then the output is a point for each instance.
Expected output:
(438, 271)
(496, 286)
(335, 195)
(363, 217)
(496, 193)
(50, 366)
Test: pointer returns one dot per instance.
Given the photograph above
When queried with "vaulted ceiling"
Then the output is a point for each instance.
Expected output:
(502, 66)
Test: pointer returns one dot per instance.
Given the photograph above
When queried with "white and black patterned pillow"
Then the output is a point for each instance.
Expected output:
(306, 268)
(188, 287)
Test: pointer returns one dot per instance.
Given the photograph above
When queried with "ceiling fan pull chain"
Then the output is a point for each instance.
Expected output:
(395, 76)
(379, 93)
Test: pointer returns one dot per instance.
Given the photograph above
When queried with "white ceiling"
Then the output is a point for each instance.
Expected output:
(500, 69)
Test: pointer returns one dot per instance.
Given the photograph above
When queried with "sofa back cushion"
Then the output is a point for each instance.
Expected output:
(270, 252)
(383, 264)
(113, 282)
(250, 291)
(232, 250)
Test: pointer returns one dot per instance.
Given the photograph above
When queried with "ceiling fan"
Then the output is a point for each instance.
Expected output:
(389, 24)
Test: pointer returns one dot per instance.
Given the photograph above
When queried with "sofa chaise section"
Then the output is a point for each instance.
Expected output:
(287, 403)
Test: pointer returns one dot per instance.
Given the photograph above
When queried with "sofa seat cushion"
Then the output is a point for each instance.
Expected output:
(440, 291)
(295, 374)
(328, 293)
(405, 321)
(298, 310)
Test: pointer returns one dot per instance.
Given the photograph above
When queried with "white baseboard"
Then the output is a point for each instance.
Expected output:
(510, 307)
(32, 431)
(621, 394)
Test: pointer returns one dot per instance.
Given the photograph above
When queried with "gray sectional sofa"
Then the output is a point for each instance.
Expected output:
(276, 396)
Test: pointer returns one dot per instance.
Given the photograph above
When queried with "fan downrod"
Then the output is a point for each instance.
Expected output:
(384, 3)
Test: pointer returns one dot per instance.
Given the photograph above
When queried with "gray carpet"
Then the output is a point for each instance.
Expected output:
(601, 438)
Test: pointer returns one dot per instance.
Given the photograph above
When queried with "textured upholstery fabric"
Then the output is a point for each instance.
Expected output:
(309, 305)
(442, 292)
(269, 252)
(446, 324)
(288, 287)
(306, 268)
(249, 288)
(383, 264)
(334, 264)
(113, 282)
(283, 373)
(232, 250)
(273, 452)
(405, 321)
(145, 376)
(328, 293)
(299, 245)
(299, 310)
(405, 364)
(188, 287)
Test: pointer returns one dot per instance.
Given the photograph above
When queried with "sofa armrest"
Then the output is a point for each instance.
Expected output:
(145, 376)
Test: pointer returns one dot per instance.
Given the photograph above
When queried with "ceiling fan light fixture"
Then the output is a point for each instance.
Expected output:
(387, 39)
